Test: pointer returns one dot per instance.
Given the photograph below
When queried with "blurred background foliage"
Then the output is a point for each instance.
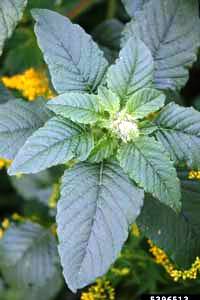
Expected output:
(142, 267)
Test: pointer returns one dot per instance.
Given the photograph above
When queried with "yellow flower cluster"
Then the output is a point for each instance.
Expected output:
(121, 272)
(54, 195)
(4, 225)
(135, 230)
(194, 175)
(102, 290)
(4, 163)
(162, 259)
(31, 84)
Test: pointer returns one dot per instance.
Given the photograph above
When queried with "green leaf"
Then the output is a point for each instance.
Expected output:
(30, 251)
(144, 102)
(132, 71)
(179, 131)
(18, 120)
(98, 203)
(171, 30)
(11, 12)
(109, 100)
(75, 62)
(57, 142)
(34, 187)
(178, 235)
(133, 6)
(108, 36)
(147, 163)
(22, 52)
(81, 108)
(104, 149)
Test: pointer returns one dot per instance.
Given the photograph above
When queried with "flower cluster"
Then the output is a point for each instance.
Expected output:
(54, 195)
(162, 259)
(194, 175)
(31, 84)
(4, 163)
(125, 127)
(4, 226)
(102, 290)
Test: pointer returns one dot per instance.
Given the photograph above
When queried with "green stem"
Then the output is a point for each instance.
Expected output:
(112, 7)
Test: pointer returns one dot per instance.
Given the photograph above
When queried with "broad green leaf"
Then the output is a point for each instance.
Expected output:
(75, 62)
(171, 30)
(133, 6)
(147, 163)
(98, 203)
(109, 100)
(15, 292)
(108, 36)
(30, 251)
(57, 142)
(144, 102)
(18, 120)
(132, 71)
(104, 149)
(11, 12)
(179, 131)
(178, 235)
(22, 52)
(81, 108)
(34, 187)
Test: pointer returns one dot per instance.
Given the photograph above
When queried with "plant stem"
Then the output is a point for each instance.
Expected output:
(112, 6)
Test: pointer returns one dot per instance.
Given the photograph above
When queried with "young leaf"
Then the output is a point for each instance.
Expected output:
(179, 131)
(132, 71)
(144, 102)
(103, 150)
(171, 30)
(57, 142)
(98, 203)
(11, 12)
(82, 108)
(109, 100)
(18, 120)
(31, 251)
(75, 62)
(147, 163)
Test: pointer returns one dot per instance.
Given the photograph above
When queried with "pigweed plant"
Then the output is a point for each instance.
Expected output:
(124, 139)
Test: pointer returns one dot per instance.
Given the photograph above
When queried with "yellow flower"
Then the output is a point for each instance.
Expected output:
(4, 163)
(162, 259)
(5, 225)
(121, 272)
(54, 196)
(102, 290)
(135, 230)
(194, 175)
(31, 84)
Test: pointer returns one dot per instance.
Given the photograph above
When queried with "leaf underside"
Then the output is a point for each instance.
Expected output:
(179, 131)
(171, 30)
(147, 163)
(75, 62)
(57, 142)
(98, 203)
